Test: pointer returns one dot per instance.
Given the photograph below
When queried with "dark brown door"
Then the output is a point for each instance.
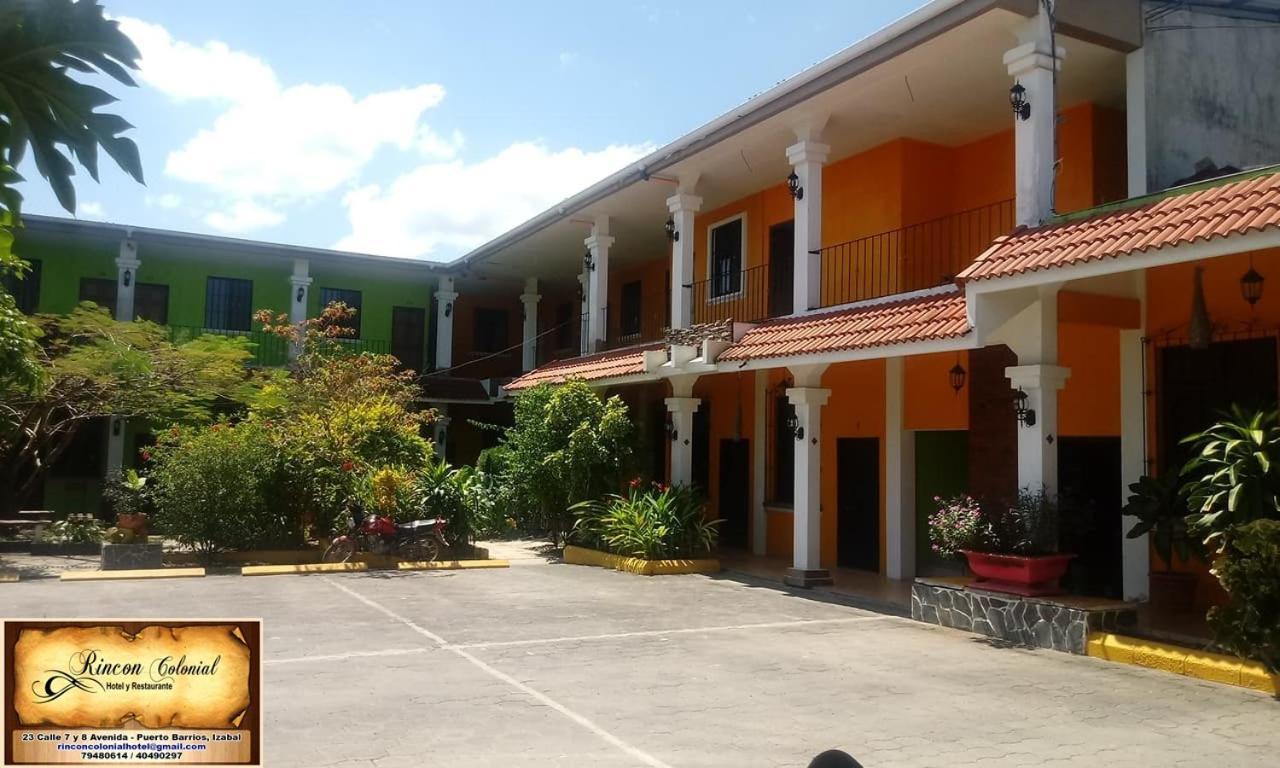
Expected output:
(782, 238)
(858, 503)
(735, 468)
(407, 335)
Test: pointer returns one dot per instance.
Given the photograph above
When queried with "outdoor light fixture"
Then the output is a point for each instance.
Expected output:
(793, 185)
(670, 427)
(448, 309)
(115, 426)
(588, 261)
(300, 295)
(1251, 285)
(797, 429)
(672, 234)
(581, 293)
(1026, 416)
(128, 277)
(1018, 100)
(956, 376)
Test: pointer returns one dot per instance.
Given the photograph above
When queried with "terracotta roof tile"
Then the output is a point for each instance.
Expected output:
(925, 318)
(604, 365)
(1228, 207)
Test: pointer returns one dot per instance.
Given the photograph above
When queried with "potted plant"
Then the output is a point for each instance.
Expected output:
(127, 494)
(1161, 506)
(1009, 547)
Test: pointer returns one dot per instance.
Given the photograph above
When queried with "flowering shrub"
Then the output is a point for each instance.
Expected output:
(957, 525)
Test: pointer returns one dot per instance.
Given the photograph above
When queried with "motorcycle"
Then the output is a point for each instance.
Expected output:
(416, 540)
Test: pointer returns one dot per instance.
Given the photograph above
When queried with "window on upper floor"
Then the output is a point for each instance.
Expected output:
(351, 299)
(489, 333)
(100, 291)
(151, 302)
(727, 245)
(630, 316)
(228, 304)
(25, 290)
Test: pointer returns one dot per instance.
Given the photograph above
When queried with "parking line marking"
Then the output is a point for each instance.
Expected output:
(351, 655)
(676, 631)
(538, 696)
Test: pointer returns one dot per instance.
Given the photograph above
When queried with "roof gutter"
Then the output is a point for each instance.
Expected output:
(911, 30)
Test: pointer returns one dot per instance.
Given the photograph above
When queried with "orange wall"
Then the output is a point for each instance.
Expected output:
(730, 398)
(929, 402)
(653, 300)
(856, 409)
(464, 312)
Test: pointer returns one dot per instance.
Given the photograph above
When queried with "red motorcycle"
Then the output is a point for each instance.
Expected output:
(416, 540)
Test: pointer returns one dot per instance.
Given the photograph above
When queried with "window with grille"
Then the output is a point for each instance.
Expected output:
(151, 302)
(228, 304)
(25, 290)
(726, 258)
(351, 299)
(100, 291)
(490, 332)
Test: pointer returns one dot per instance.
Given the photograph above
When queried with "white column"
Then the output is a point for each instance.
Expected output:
(759, 517)
(806, 158)
(1038, 443)
(530, 299)
(682, 410)
(446, 296)
(684, 208)
(1135, 118)
(806, 570)
(1032, 65)
(1135, 553)
(127, 264)
(900, 481)
(598, 283)
(299, 288)
(115, 445)
(440, 431)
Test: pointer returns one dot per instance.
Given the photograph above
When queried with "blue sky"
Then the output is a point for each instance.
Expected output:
(422, 129)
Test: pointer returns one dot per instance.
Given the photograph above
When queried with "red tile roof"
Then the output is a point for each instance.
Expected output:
(923, 318)
(605, 365)
(1231, 206)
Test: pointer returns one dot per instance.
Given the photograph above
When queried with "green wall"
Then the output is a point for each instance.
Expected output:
(377, 297)
(942, 469)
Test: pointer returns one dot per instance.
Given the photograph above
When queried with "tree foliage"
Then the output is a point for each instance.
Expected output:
(1234, 477)
(1249, 569)
(90, 367)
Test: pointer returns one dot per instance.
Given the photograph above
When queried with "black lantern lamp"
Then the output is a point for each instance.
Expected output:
(793, 186)
(956, 376)
(588, 261)
(793, 424)
(670, 426)
(1251, 285)
(448, 308)
(1018, 100)
(300, 295)
(672, 234)
(1026, 416)
(127, 278)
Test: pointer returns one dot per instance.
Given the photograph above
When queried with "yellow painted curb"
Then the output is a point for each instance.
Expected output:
(7, 577)
(1202, 665)
(583, 556)
(450, 565)
(276, 570)
(148, 573)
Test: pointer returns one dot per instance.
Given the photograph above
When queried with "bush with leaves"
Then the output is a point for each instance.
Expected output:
(127, 493)
(443, 491)
(1234, 477)
(957, 525)
(1249, 569)
(567, 445)
(660, 522)
(1161, 505)
(215, 490)
(75, 529)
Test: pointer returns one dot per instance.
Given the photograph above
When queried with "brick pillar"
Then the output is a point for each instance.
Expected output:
(993, 430)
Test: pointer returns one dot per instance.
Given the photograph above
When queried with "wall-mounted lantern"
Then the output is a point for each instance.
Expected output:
(956, 376)
(1018, 100)
(793, 186)
(672, 234)
(1251, 285)
(1026, 416)
(127, 278)
(797, 429)
(448, 308)
(670, 427)
(300, 295)
(115, 427)
(588, 261)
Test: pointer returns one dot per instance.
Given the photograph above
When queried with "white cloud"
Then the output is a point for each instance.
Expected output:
(243, 217)
(91, 210)
(442, 209)
(186, 72)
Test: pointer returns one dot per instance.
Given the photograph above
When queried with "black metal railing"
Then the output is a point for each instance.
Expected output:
(920, 256)
(742, 296)
(268, 348)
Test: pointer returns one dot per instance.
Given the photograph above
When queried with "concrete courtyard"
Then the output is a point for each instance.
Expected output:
(558, 665)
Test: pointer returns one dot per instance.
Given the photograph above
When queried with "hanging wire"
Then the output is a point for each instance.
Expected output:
(499, 353)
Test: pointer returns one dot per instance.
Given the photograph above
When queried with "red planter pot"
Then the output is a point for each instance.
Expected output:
(1018, 575)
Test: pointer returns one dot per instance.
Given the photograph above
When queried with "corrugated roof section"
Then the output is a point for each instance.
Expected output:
(1230, 207)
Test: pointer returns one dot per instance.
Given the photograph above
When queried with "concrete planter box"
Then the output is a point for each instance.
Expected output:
(583, 556)
(64, 548)
(132, 557)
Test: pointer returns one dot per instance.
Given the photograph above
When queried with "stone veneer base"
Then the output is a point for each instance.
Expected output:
(1060, 624)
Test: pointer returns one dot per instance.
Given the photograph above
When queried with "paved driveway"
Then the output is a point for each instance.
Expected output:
(558, 665)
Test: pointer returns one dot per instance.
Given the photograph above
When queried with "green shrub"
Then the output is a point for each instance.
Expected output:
(214, 490)
(956, 525)
(1249, 569)
(1235, 475)
(75, 529)
(442, 492)
(658, 523)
